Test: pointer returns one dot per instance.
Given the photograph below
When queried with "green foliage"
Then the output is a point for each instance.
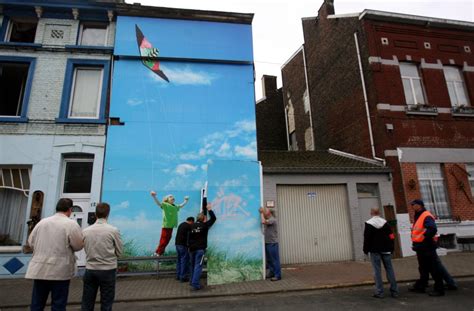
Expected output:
(223, 269)
(132, 249)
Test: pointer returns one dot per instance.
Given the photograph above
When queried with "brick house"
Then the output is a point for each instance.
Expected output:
(396, 88)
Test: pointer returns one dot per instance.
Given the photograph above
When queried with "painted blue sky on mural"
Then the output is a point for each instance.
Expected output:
(174, 130)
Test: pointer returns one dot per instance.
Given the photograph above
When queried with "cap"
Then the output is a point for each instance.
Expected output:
(417, 202)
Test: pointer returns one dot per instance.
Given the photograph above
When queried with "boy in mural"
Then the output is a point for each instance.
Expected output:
(170, 219)
(271, 243)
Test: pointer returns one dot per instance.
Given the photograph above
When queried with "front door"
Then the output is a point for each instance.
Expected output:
(76, 185)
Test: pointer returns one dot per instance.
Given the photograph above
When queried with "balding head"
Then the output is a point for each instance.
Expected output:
(375, 211)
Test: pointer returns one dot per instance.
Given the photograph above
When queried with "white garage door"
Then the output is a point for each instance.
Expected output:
(314, 224)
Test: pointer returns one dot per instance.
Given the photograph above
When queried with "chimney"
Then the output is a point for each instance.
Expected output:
(269, 85)
(327, 8)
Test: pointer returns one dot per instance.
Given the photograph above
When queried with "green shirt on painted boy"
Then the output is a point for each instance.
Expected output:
(170, 215)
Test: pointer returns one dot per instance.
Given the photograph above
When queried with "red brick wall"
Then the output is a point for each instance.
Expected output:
(459, 192)
(460, 198)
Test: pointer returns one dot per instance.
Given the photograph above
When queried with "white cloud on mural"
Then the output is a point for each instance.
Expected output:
(123, 205)
(185, 169)
(134, 102)
(222, 144)
(249, 151)
(185, 76)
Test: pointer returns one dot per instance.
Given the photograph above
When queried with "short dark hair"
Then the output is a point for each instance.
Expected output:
(191, 219)
(102, 210)
(64, 205)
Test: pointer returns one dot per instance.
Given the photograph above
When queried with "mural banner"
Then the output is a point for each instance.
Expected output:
(180, 117)
(235, 241)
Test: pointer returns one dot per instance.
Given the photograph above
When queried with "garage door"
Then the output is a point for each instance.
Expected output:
(314, 224)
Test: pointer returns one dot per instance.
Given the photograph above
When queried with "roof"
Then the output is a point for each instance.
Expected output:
(175, 13)
(408, 19)
(320, 161)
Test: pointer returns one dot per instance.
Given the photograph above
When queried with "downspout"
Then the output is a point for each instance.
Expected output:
(366, 102)
(309, 97)
(286, 125)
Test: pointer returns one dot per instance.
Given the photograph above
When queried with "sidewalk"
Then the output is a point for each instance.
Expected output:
(17, 292)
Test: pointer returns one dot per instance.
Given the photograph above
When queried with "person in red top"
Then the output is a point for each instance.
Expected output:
(424, 239)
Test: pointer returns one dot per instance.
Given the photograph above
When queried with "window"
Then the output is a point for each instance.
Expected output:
(470, 171)
(78, 175)
(93, 34)
(412, 84)
(23, 31)
(85, 91)
(433, 190)
(456, 86)
(14, 186)
(16, 75)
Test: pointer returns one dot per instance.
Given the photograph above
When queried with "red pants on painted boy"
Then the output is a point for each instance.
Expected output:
(166, 234)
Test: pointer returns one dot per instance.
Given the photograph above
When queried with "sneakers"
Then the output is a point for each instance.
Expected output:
(395, 295)
(377, 295)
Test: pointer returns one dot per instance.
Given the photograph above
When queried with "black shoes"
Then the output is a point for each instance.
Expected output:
(436, 294)
(418, 290)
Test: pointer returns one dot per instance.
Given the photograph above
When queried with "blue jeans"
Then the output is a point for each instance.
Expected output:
(445, 274)
(93, 281)
(59, 292)
(182, 263)
(386, 259)
(273, 259)
(196, 267)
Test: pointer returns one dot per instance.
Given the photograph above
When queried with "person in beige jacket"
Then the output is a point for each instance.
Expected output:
(103, 246)
(54, 241)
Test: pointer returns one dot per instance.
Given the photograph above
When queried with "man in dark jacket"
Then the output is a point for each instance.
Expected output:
(378, 242)
(181, 243)
(197, 245)
(424, 244)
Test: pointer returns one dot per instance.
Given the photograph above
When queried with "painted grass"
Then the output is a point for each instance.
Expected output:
(132, 249)
(224, 269)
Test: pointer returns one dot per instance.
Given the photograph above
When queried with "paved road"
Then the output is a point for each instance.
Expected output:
(358, 298)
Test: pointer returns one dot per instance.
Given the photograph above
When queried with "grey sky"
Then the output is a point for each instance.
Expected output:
(277, 31)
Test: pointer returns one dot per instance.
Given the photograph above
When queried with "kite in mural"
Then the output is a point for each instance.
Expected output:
(149, 54)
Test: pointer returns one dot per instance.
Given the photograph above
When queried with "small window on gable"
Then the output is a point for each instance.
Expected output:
(13, 80)
(23, 31)
(93, 34)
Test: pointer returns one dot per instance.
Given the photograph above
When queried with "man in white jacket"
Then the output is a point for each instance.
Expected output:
(54, 241)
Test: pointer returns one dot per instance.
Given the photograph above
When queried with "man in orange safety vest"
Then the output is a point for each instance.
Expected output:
(424, 239)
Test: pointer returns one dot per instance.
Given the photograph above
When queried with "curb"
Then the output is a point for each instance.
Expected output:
(269, 292)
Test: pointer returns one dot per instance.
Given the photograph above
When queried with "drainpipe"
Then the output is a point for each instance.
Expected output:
(309, 97)
(286, 123)
(366, 102)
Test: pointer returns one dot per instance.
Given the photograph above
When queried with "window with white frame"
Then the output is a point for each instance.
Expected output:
(433, 190)
(470, 171)
(456, 86)
(77, 175)
(21, 30)
(412, 84)
(93, 34)
(14, 191)
(86, 93)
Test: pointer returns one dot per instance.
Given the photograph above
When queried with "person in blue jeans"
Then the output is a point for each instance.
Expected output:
(379, 243)
(197, 243)
(181, 243)
(271, 243)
